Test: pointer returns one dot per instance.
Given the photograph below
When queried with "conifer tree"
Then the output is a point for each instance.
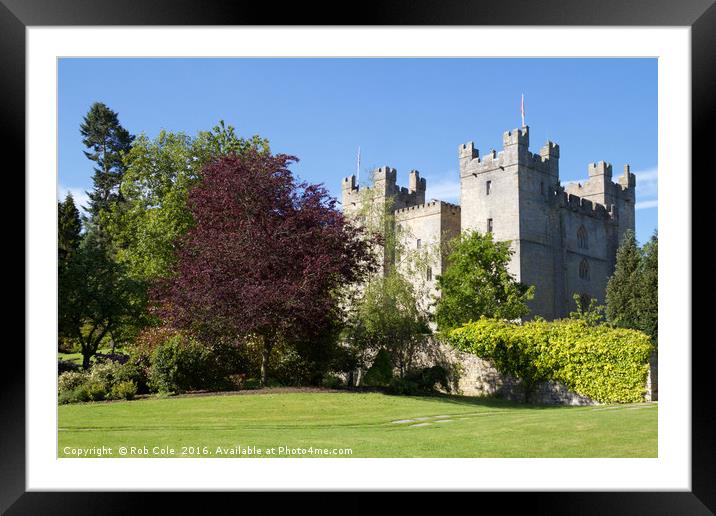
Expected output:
(69, 227)
(648, 292)
(107, 141)
(623, 288)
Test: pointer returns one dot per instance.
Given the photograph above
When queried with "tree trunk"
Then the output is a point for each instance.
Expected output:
(85, 361)
(265, 354)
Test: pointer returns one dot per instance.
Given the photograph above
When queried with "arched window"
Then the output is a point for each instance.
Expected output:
(582, 238)
(584, 269)
(429, 273)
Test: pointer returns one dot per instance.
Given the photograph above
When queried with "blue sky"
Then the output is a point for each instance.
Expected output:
(406, 113)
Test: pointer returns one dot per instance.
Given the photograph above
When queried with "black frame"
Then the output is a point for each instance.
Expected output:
(700, 15)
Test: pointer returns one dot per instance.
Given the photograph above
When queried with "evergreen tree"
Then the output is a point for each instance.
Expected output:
(107, 142)
(69, 227)
(648, 292)
(623, 288)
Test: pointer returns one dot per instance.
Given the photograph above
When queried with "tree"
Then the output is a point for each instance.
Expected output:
(95, 297)
(648, 301)
(267, 258)
(107, 142)
(69, 227)
(159, 173)
(477, 283)
(623, 287)
(386, 317)
(588, 310)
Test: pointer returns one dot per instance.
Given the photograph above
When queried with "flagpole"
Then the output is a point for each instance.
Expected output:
(358, 167)
(522, 108)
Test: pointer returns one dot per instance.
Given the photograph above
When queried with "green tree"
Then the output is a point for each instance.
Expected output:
(648, 301)
(386, 317)
(589, 311)
(107, 142)
(477, 283)
(69, 228)
(146, 227)
(96, 298)
(623, 288)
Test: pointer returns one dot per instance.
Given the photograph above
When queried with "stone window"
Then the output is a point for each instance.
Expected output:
(488, 187)
(429, 273)
(584, 270)
(489, 225)
(418, 243)
(582, 238)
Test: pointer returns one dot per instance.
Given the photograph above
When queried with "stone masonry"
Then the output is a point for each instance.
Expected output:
(564, 238)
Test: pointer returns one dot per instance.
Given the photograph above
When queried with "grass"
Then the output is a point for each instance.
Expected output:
(370, 424)
(77, 357)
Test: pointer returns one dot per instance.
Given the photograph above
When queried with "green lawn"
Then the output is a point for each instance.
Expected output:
(370, 424)
(77, 357)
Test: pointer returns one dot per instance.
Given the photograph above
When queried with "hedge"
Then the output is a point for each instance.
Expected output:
(606, 364)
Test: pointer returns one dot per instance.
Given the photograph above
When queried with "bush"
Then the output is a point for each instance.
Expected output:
(104, 373)
(421, 381)
(91, 391)
(68, 382)
(428, 377)
(104, 381)
(609, 365)
(125, 390)
(331, 381)
(181, 364)
(381, 372)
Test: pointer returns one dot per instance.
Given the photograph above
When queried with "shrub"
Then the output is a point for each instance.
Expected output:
(404, 386)
(91, 391)
(181, 364)
(381, 372)
(125, 390)
(68, 382)
(428, 377)
(609, 365)
(421, 381)
(331, 381)
(104, 373)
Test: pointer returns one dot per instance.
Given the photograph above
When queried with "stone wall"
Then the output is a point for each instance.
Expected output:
(478, 377)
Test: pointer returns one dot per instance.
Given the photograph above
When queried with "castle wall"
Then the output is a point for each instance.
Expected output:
(500, 205)
(433, 224)
(564, 239)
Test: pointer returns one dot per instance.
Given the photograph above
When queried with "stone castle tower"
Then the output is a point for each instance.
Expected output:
(564, 238)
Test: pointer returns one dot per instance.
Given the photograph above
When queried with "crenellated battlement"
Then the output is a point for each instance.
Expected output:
(565, 237)
(520, 136)
(514, 154)
(601, 168)
(564, 199)
(385, 187)
(429, 208)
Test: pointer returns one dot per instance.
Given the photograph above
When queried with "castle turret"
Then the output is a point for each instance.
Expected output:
(516, 144)
(466, 153)
(550, 158)
(416, 184)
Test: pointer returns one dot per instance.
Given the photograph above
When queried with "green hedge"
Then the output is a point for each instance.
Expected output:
(609, 365)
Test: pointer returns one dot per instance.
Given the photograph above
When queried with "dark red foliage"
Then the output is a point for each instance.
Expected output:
(267, 254)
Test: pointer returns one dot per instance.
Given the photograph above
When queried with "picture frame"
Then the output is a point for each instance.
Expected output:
(700, 15)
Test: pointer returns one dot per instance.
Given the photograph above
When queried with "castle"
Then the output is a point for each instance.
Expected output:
(564, 238)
